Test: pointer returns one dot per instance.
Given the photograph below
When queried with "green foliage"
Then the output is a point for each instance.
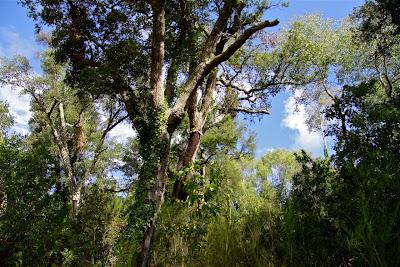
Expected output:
(35, 229)
(379, 23)
(309, 224)
(6, 119)
(277, 168)
(367, 157)
(90, 238)
(32, 205)
(242, 234)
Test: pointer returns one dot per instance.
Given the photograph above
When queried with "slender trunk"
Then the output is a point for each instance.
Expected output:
(386, 84)
(155, 141)
(61, 141)
(74, 188)
(143, 259)
(157, 52)
(76, 198)
(326, 152)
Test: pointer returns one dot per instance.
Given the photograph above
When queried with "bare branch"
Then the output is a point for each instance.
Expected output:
(198, 74)
(81, 114)
(239, 42)
(328, 92)
(52, 107)
(207, 159)
(118, 190)
(117, 122)
(250, 110)
(206, 66)
(111, 124)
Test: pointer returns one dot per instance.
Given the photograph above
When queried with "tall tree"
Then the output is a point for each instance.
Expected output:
(115, 47)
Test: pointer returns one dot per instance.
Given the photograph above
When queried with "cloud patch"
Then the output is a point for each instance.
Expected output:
(261, 152)
(19, 106)
(122, 131)
(295, 120)
(11, 44)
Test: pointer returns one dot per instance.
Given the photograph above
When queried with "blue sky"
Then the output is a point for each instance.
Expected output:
(282, 129)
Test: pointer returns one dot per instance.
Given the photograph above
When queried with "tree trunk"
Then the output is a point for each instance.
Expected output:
(197, 118)
(157, 199)
(143, 259)
(76, 199)
(154, 139)
(188, 157)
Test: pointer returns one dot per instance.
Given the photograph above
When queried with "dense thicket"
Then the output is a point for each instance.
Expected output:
(187, 189)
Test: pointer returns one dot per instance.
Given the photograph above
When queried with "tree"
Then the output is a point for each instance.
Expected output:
(68, 119)
(348, 206)
(109, 51)
(31, 217)
(278, 167)
(316, 59)
(224, 152)
(378, 27)
(6, 120)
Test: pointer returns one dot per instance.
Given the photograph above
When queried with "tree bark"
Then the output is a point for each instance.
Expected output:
(76, 199)
(61, 141)
(188, 157)
(157, 51)
(197, 120)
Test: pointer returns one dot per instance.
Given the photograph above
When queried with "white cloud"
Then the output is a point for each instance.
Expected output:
(11, 44)
(19, 106)
(295, 119)
(122, 131)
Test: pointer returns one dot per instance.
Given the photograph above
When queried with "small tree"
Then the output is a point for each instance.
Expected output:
(70, 120)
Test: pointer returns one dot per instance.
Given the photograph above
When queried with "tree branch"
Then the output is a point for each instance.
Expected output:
(208, 94)
(238, 43)
(52, 107)
(99, 148)
(250, 110)
(207, 159)
(198, 74)
(172, 73)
